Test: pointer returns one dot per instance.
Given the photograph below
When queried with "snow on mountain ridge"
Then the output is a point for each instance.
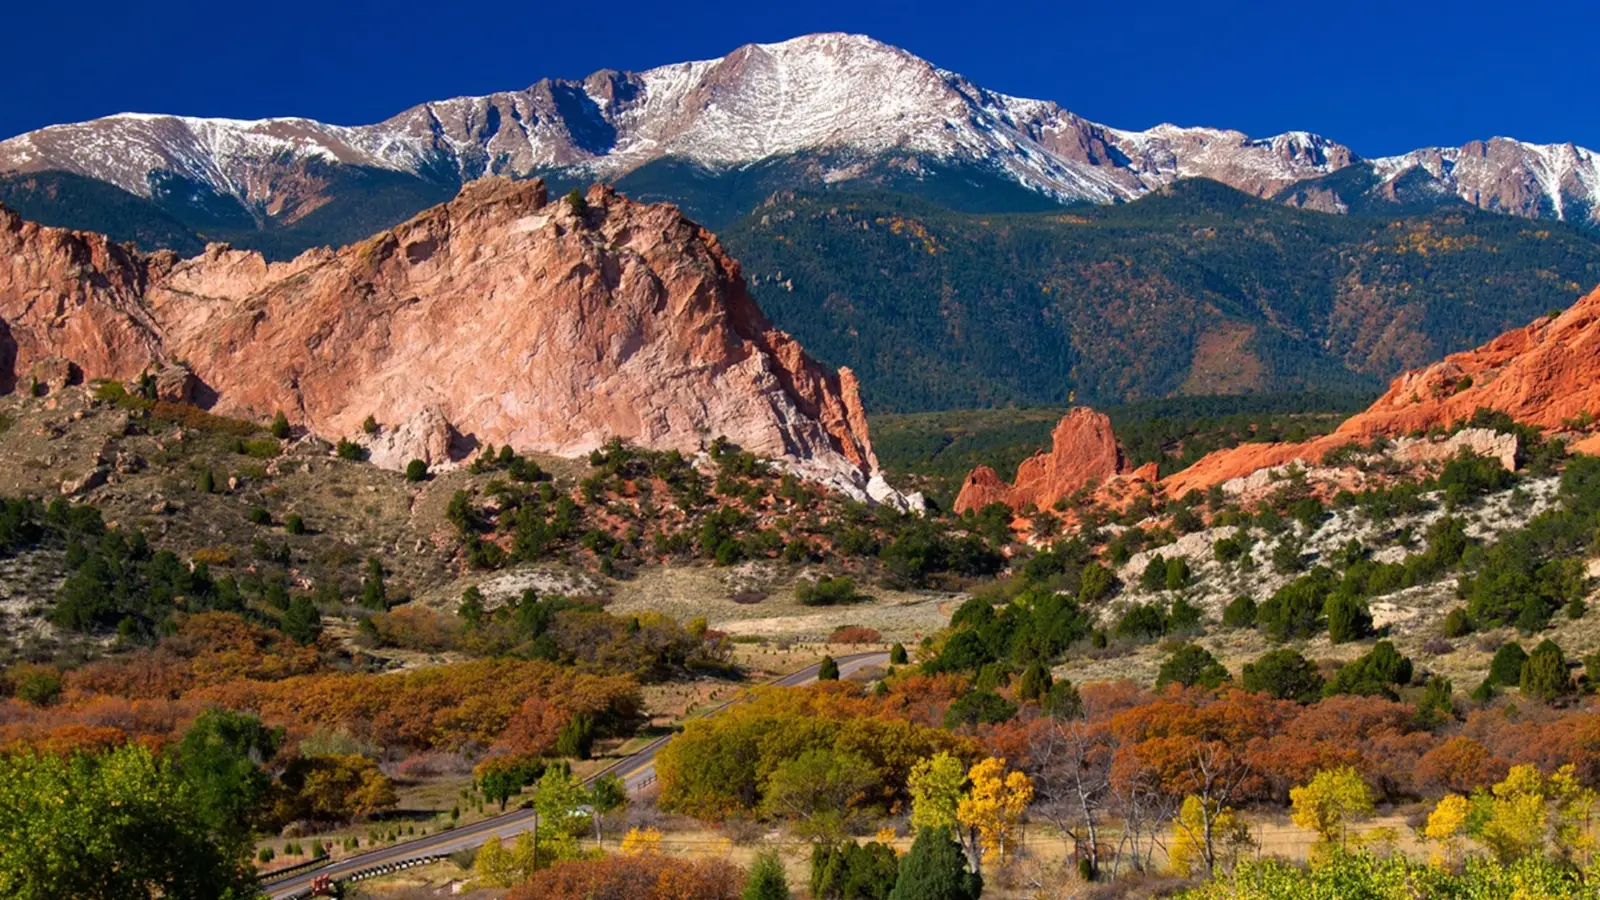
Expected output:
(823, 92)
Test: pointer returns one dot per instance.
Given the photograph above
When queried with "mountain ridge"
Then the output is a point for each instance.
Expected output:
(848, 96)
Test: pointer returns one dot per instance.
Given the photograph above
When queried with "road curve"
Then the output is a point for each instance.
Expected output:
(637, 771)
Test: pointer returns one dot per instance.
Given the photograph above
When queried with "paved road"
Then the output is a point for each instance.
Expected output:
(637, 772)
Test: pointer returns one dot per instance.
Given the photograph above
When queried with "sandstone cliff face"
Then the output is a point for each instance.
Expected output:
(1542, 374)
(500, 316)
(1083, 451)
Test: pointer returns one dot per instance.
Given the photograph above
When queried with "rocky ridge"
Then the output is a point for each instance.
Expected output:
(836, 93)
(1083, 453)
(497, 318)
(1546, 374)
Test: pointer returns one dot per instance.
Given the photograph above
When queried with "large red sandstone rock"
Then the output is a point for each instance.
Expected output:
(500, 315)
(1541, 374)
(1083, 451)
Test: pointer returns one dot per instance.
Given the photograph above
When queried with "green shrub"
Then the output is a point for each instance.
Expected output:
(1284, 674)
(1142, 621)
(1228, 549)
(1348, 619)
(1154, 577)
(1240, 612)
(1544, 675)
(1375, 674)
(416, 470)
(1506, 667)
(1191, 665)
(828, 591)
(1177, 576)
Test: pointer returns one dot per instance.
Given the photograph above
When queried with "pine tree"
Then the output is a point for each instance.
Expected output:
(1348, 619)
(828, 670)
(1035, 683)
(897, 654)
(1544, 675)
(280, 426)
(373, 593)
(767, 879)
(935, 869)
(302, 621)
(208, 482)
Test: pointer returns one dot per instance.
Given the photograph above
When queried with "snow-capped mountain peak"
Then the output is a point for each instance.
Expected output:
(838, 93)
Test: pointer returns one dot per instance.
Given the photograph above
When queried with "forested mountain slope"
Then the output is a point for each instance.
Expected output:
(1196, 289)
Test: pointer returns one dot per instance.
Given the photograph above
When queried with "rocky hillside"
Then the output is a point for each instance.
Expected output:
(1544, 377)
(498, 318)
(844, 107)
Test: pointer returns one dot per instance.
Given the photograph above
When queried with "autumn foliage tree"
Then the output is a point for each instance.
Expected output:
(647, 876)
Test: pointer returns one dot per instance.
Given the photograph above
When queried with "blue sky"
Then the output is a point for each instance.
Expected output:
(1381, 77)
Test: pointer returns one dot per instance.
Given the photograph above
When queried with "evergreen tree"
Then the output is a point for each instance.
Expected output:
(828, 670)
(208, 482)
(1284, 674)
(280, 426)
(1374, 674)
(897, 654)
(1177, 574)
(1035, 683)
(935, 869)
(1063, 701)
(1506, 667)
(1190, 665)
(374, 595)
(1240, 612)
(1348, 619)
(576, 738)
(1544, 674)
(302, 621)
(767, 880)
(416, 470)
(1154, 576)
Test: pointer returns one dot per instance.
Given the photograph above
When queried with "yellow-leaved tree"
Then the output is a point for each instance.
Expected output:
(642, 840)
(1515, 824)
(1573, 814)
(935, 785)
(994, 807)
(1527, 810)
(494, 865)
(1330, 802)
(1444, 828)
(1228, 835)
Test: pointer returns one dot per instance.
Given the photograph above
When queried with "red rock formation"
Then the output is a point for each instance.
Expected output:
(1541, 374)
(1083, 451)
(513, 320)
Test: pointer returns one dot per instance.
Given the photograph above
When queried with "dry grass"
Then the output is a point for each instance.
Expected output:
(687, 591)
